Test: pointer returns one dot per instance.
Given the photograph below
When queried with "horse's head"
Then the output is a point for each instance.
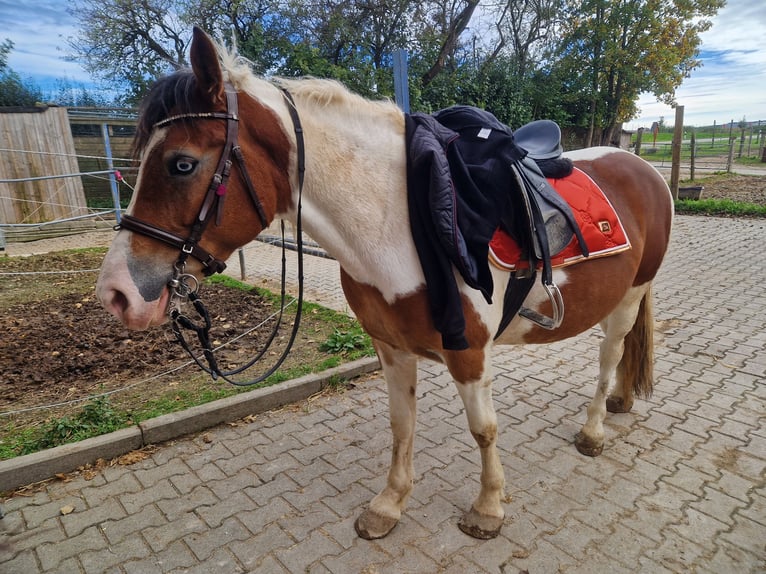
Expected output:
(215, 169)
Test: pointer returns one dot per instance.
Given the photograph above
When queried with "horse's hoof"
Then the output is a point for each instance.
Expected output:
(587, 446)
(372, 526)
(480, 526)
(618, 405)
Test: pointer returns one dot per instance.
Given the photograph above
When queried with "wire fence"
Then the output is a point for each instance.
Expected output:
(162, 375)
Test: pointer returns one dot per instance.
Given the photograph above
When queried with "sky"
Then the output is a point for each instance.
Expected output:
(730, 85)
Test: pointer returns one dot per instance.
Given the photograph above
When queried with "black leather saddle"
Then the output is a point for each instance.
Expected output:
(541, 139)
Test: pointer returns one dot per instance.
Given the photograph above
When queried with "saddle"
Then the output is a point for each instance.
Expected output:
(469, 174)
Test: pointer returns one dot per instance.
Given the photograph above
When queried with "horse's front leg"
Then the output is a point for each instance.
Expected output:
(385, 510)
(485, 519)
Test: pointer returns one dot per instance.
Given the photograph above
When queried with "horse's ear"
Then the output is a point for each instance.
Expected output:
(206, 66)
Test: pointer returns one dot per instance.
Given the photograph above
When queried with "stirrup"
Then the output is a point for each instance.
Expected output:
(557, 302)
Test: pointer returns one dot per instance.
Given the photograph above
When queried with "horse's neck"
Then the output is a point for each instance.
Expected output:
(355, 195)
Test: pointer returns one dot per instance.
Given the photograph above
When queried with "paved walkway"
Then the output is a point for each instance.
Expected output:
(680, 486)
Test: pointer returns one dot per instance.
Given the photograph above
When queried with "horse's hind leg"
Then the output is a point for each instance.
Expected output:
(385, 510)
(635, 370)
(621, 323)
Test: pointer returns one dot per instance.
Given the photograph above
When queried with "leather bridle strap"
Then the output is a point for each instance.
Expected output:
(210, 263)
(214, 198)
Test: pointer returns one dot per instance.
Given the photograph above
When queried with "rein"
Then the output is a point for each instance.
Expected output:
(183, 286)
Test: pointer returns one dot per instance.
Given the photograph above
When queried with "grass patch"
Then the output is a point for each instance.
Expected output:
(719, 207)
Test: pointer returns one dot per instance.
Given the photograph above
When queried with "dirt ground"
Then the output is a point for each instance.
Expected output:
(60, 345)
(744, 188)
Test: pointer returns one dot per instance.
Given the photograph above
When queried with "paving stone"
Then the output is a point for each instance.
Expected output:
(177, 507)
(277, 508)
(679, 488)
(135, 501)
(306, 557)
(79, 520)
(52, 555)
(204, 544)
(151, 476)
(22, 562)
(132, 525)
(96, 495)
(368, 558)
(100, 561)
(221, 562)
(160, 537)
(34, 516)
(218, 512)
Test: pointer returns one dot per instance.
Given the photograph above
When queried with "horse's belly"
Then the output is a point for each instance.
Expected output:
(590, 291)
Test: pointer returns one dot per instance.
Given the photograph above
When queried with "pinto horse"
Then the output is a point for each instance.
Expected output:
(354, 203)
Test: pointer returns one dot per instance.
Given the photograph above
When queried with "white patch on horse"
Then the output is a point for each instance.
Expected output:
(515, 332)
(365, 222)
(592, 153)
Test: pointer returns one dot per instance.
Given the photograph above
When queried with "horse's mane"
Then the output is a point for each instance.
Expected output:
(325, 93)
(176, 92)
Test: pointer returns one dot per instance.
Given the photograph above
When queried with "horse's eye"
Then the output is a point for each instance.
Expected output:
(182, 166)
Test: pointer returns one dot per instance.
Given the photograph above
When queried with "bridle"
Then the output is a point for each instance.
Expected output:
(183, 286)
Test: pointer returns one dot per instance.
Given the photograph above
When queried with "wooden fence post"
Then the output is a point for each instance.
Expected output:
(675, 167)
(730, 159)
(639, 135)
(693, 154)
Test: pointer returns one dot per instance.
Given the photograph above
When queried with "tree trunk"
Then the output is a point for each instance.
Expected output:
(456, 28)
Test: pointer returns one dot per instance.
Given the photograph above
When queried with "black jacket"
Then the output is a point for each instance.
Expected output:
(459, 182)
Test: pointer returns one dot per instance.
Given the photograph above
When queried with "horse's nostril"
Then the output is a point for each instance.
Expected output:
(116, 303)
(120, 301)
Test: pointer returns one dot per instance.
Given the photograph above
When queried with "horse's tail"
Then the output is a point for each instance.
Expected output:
(637, 365)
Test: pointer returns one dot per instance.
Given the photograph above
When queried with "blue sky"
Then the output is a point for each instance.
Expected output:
(730, 85)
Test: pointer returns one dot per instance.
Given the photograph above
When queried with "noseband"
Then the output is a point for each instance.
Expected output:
(183, 285)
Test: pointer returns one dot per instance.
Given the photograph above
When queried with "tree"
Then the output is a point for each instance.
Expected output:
(13, 90)
(625, 48)
(130, 43)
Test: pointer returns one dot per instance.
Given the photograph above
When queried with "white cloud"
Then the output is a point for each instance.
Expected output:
(39, 34)
(731, 82)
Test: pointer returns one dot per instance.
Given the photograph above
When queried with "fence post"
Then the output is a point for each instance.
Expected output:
(110, 165)
(693, 154)
(675, 167)
(741, 143)
(401, 83)
(730, 159)
(639, 136)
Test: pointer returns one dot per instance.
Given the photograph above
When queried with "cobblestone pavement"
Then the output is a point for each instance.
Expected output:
(680, 486)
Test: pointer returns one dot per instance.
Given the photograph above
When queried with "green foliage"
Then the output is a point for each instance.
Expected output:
(620, 49)
(719, 207)
(96, 417)
(14, 91)
(343, 342)
(580, 63)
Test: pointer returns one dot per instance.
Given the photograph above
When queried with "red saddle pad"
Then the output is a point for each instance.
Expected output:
(600, 225)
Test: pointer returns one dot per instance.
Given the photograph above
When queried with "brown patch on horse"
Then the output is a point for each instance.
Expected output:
(203, 56)
(267, 151)
(406, 324)
(602, 282)
(624, 184)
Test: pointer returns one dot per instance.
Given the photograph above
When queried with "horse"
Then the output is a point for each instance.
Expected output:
(344, 169)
